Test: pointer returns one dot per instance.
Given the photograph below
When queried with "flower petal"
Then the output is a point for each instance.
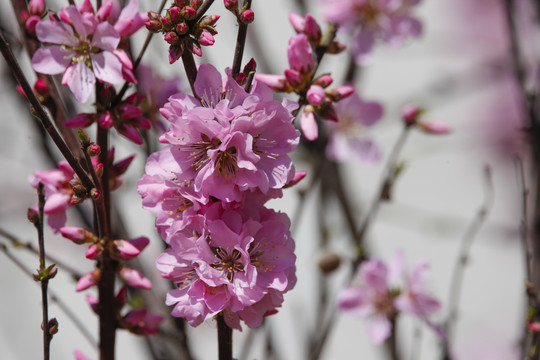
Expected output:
(80, 80)
(107, 67)
(51, 60)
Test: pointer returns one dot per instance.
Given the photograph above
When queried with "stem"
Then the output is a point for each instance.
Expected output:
(240, 44)
(459, 269)
(525, 222)
(41, 114)
(47, 336)
(191, 69)
(224, 338)
(202, 10)
(391, 343)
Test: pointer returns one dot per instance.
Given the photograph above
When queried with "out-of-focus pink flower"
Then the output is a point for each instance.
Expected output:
(381, 296)
(369, 21)
(58, 192)
(346, 139)
(83, 50)
(308, 123)
(236, 261)
(79, 355)
(230, 141)
(141, 322)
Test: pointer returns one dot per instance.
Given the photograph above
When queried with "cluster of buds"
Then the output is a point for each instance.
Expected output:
(182, 28)
(412, 114)
(244, 14)
(313, 32)
(36, 11)
(126, 116)
(138, 321)
(299, 77)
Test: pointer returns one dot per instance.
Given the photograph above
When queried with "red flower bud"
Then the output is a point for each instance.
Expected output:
(247, 16)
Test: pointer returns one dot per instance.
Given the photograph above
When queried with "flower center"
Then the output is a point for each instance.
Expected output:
(367, 13)
(198, 156)
(227, 262)
(226, 162)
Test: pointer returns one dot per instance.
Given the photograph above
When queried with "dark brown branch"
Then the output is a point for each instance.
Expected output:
(240, 44)
(224, 339)
(191, 70)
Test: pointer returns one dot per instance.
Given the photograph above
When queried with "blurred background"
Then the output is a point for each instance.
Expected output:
(459, 69)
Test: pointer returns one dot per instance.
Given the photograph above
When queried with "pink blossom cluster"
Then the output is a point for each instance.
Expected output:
(87, 45)
(299, 78)
(227, 154)
(383, 291)
(373, 20)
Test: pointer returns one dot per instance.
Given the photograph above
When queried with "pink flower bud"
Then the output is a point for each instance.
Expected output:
(140, 322)
(312, 30)
(94, 193)
(175, 52)
(276, 82)
(106, 120)
(31, 24)
(247, 16)
(535, 326)
(336, 47)
(328, 112)
(80, 121)
(411, 113)
(250, 66)
(315, 95)
(93, 301)
(209, 20)
(104, 11)
(41, 87)
(189, 13)
(206, 39)
(93, 150)
(182, 28)
(308, 124)
(99, 169)
(231, 5)
(24, 15)
(298, 23)
(76, 234)
(88, 280)
(340, 93)
(93, 251)
(121, 167)
(79, 355)
(434, 128)
(171, 37)
(180, 3)
(176, 14)
(196, 49)
(124, 250)
(167, 24)
(129, 111)
(135, 278)
(36, 7)
(294, 78)
(324, 80)
(121, 297)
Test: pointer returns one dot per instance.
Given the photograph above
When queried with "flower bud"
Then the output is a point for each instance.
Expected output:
(206, 39)
(298, 176)
(434, 128)
(209, 20)
(135, 278)
(340, 93)
(121, 297)
(53, 326)
(315, 95)
(76, 200)
(297, 21)
(31, 24)
(98, 168)
(93, 251)
(189, 13)
(247, 16)
(93, 150)
(167, 24)
(88, 280)
(180, 3)
(175, 52)
(176, 14)
(328, 262)
(124, 250)
(411, 113)
(182, 28)
(41, 87)
(196, 48)
(313, 30)
(294, 78)
(36, 7)
(535, 326)
(106, 120)
(196, 4)
(324, 80)
(77, 234)
(94, 193)
(231, 5)
(171, 38)
(33, 216)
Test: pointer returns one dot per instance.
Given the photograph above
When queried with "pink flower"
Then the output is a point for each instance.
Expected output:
(369, 21)
(380, 296)
(345, 141)
(230, 141)
(239, 262)
(141, 322)
(58, 192)
(82, 50)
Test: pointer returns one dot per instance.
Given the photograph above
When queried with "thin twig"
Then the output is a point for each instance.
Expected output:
(240, 44)
(459, 269)
(54, 298)
(524, 228)
(202, 10)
